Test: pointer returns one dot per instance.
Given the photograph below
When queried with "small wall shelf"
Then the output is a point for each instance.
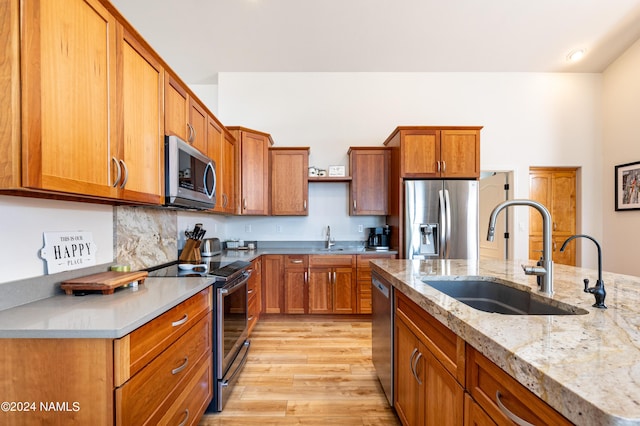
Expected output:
(330, 179)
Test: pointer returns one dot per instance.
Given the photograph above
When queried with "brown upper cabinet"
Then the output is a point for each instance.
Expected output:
(368, 193)
(184, 116)
(81, 73)
(221, 149)
(436, 152)
(252, 170)
(289, 181)
(141, 152)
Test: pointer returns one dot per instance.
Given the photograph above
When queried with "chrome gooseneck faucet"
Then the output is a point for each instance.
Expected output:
(597, 291)
(544, 270)
(329, 242)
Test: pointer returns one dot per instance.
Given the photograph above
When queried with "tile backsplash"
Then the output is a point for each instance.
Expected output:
(144, 236)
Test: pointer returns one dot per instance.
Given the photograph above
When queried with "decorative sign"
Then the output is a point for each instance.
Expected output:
(336, 171)
(65, 251)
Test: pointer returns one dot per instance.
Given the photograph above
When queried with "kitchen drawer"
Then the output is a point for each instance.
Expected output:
(332, 260)
(362, 260)
(296, 261)
(445, 345)
(196, 396)
(142, 345)
(485, 379)
(364, 297)
(141, 399)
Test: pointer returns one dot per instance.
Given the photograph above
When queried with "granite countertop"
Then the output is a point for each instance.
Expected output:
(585, 366)
(98, 315)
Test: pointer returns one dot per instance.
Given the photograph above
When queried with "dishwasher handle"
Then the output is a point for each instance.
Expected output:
(381, 287)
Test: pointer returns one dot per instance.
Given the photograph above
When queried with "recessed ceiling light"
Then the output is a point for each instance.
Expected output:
(575, 55)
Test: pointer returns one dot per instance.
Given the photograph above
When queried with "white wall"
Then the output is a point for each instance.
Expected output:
(621, 95)
(529, 119)
(25, 219)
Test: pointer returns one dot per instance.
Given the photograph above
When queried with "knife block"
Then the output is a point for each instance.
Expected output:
(191, 251)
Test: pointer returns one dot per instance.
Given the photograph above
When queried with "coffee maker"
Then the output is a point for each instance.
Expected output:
(379, 238)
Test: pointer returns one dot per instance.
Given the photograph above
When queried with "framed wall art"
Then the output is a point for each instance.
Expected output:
(628, 186)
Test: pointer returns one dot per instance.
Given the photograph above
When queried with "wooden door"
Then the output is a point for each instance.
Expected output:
(556, 189)
(255, 176)
(408, 389)
(272, 284)
(444, 397)
(227, 174)
(344, 290)
(214, 151)
(176, 108)
(460, 153)
(142, 144)
(320, 290)
(289, 181)
(69, 97)
(420, 150)
(198, 123)
(295, 291)
(492, 193)
(368, 193)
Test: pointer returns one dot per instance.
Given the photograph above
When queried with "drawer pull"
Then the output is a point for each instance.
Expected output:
(186, 418)
(182, 367)
(517, 420)
(180, 321)
(250, 291)
(296, 261)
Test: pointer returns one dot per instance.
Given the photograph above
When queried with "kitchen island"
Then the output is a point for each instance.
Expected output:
(587, 367)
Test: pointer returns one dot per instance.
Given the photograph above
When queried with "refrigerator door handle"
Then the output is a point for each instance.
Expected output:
(447, 202)
(442, 210)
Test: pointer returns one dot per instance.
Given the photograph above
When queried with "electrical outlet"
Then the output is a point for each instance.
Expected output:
(247, 228)
(360, 228)
(279, 229)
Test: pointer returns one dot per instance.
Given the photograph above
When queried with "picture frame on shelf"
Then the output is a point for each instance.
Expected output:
(337, 171)
(627, 186)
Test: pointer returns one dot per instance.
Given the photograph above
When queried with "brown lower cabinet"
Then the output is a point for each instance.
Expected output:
(332, 284)
(254, 294)
(363, 278)
(441, 380)
(159, 373)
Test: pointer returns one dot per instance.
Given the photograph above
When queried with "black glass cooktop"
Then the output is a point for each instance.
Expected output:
(210, 267)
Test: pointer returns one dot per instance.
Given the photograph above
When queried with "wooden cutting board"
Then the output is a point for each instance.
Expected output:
(106, 282)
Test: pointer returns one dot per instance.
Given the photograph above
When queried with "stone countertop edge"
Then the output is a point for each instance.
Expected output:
(98, 315)
(587, 367)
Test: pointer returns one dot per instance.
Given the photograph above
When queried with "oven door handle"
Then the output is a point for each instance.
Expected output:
(233, 286)
(226, 382)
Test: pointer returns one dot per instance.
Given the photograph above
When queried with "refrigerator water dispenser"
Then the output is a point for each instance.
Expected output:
(429, 239)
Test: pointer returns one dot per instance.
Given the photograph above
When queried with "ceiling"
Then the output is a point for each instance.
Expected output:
(200, 38)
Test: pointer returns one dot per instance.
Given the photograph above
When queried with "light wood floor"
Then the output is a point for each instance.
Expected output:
(307, 372)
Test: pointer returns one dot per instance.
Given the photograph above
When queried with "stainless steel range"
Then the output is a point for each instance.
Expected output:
(230, 342)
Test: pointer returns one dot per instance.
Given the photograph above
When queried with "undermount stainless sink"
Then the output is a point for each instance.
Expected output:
(494, 296)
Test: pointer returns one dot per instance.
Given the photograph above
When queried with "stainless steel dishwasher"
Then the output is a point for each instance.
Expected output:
(382, 333)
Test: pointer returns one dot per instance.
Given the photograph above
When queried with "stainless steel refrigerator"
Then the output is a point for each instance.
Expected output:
(441, 219)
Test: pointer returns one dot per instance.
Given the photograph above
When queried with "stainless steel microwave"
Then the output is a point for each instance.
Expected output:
(190, 176)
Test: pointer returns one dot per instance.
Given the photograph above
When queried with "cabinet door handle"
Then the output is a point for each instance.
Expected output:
(182, 367)
(190, 137)
(250, 291)
(304, 205)
(250, 318)
(517, 420)
(354, 205)
(415, 366)
(126, 173)
(444, 166)
(555, 226)
(244, 203)
(306, 277)
(413, 372)
(224, 200)
(119, 175)
(438, 166)
(186, 418)
(334, 277)
(180, 321)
